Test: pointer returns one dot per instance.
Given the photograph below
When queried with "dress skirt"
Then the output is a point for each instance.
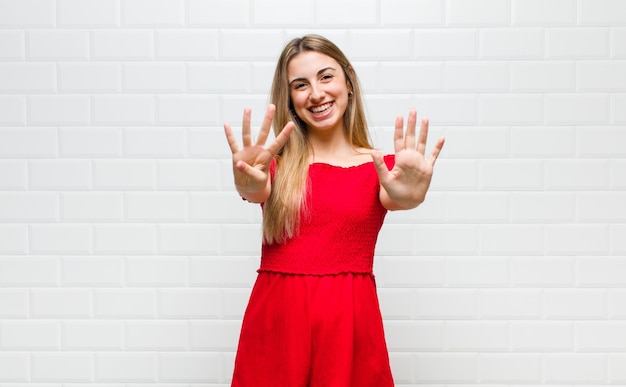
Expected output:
(312, 331)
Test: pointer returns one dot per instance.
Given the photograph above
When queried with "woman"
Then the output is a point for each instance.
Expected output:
(313, 318)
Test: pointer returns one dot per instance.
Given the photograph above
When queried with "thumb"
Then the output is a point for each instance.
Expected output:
(379, 164)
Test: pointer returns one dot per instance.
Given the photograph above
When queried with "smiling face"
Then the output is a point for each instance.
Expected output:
(318, 90)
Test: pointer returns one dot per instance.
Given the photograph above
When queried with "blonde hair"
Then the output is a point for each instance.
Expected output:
(287, 202)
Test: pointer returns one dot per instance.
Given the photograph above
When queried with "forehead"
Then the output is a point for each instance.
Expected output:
(308, 63)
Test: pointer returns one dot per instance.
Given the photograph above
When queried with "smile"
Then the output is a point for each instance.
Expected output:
(321, 108)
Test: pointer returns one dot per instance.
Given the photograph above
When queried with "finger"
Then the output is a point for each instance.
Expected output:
(230, 137)
(381, 167)
(266, 125)
(409, 137)
(436, 150)
(421, 142)
(246, 133)
(281, 139)
(249, 171)
(398, 134)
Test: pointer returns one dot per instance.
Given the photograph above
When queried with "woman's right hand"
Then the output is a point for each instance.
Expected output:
(251, 163)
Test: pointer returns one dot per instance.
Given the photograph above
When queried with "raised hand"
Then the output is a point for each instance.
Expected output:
(252, 161)
(405, 186)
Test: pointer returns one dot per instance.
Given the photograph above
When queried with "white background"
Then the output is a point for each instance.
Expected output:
(126, 257)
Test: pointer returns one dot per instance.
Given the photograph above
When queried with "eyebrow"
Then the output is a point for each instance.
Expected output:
(318, 73)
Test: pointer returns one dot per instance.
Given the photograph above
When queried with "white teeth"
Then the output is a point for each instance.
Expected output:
(321, 108)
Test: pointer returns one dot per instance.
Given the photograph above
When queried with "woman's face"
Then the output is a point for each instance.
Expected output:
(318, 90)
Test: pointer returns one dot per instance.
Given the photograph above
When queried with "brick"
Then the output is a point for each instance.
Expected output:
(601, 207)
(380, 105)
(600, 76)
(410, 271)
(577, 239)
(13, 110)
(445, 304)
(222, 271)
(430, 211)
(157, 335)
(29, 207)
(600, 141)
(61, 303)
(188, 303)
(92, 142)
(567, 304)
(264, 13)
(15, 239)
(101, 13)
(60, 239)
(161, 13)
(515, 43)
(575, 368)
(542, 207)
(188, 174)
(542, 336)
(511, 175)
(251, 44)
(601, 271)
(66, 367)
(343, 13)
(414, 335)
(556, 142)
(27, 13)
(617, 303)
(401, 367)
(576, 174)
(233, 302)
(617, 368)
(125, 303)
(123, 109)
(124, 239)
(510, 304)
(231, 109)
(411, 13)
(154, 142)
(455, 175)
(618, 242)
(116, 44)
(511, 109)
(371, 44)
(435, 368)
(477, 13)
(470, 336)
(503, 368)
(618, 42)
(13, 174)
(187, 110)
(13, 304)
(91, 207)
(477, 271)
(232, 13)
(190, 367)
(155, 206)
(187, 44)
(411, 77)
(240, 239)
(59, 174)
(120, 367)
(449, 43)
(27, 143)
(124, 174)
(220, 335)
(542, 272)
(28, 77)
(58, 110)
(156, 271)
(153, 77)
(220, 206)
(600, 336)
(393, 303)
(603, 12)
(618, 108)
(57, 45)
(396, 240)
(553, 76)
(189, 239)
(477, 76)
(617, 172)
(220, 77)
(542, 13)
(12, 45)
(29, 335)
(434, 107)
(92, 271)
(89, 77)
(93, 335)
(33, 271)
(577, 43)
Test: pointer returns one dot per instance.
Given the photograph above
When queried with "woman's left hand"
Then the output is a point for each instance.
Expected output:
(405, 186)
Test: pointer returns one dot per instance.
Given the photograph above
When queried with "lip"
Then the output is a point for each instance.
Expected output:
(323, 114)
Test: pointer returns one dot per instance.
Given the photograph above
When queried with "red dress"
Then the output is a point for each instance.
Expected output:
(313, 318)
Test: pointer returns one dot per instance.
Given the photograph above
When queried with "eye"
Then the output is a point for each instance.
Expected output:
(299, 85)
(326, 77)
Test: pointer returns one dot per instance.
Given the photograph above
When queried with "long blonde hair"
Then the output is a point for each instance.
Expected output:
(287, 202)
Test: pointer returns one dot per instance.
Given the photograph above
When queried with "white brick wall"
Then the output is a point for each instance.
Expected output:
(126, 257)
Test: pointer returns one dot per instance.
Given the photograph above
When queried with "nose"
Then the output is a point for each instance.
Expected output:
(317, 94)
